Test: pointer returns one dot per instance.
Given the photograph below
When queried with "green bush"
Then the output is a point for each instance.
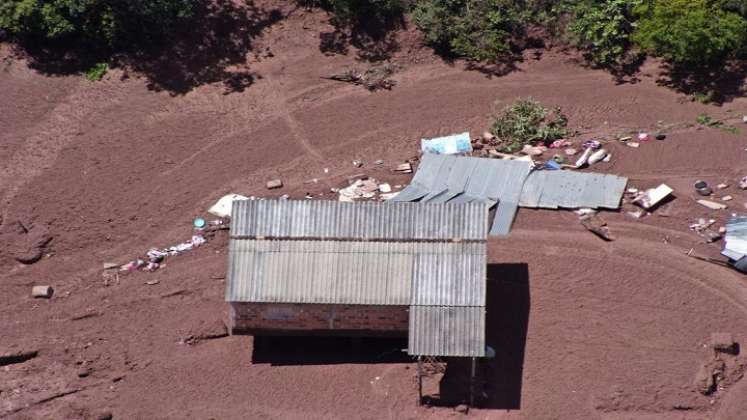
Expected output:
(603, 29)
(99, 23)
(526, 121)
(480, 30)
(691, 33)
(97, 72)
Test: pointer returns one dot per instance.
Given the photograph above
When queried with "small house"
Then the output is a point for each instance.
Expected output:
(361, 269)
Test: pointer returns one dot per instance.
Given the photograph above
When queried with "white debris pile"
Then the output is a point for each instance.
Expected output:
(366, 189)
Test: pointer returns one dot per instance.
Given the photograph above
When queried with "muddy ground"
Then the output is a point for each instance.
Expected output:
(582, 328)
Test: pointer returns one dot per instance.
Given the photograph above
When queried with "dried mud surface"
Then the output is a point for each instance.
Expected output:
(582, 328)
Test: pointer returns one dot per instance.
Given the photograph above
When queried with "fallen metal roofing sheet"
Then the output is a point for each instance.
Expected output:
(735, 241)
(365, 273)
(458, 179)
(572, 190)
(447, 331)
(361, 220)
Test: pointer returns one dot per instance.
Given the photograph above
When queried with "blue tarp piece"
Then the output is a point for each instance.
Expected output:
(449, 145)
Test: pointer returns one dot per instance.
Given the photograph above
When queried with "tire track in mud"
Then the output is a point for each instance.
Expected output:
(60, 128)
(727, 286)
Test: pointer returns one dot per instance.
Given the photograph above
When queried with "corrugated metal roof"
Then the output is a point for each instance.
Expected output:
(361, 220)
(366, 273)
(447, 331)
(735, 241)
(457, 179)
(571, 190)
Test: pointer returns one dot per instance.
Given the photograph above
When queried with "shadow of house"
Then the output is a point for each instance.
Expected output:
(499, 380)
(325, 350)
(209, 47)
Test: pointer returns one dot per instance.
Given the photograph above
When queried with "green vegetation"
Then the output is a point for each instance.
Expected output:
(692, 33)
(708, 121)
(526, 121)
(480, 30)
(97, 23)
(603, 30)
(97, 72)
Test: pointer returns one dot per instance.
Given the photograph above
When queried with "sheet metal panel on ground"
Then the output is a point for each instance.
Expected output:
(510, 183)
(424, 256)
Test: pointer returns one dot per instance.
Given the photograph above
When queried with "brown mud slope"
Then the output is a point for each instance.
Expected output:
(582, 328)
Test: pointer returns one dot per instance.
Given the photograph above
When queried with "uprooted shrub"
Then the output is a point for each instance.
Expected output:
(526, 121)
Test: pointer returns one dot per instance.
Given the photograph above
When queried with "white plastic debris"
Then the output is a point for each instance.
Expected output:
(389, 196)
(584, 158)
(653, 196)
(222, 208)
(385, 188)
(42, 292)
(597, 156)
(633, 144)
(712, 204)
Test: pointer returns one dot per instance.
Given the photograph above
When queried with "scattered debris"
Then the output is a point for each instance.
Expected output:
(222, 208)
(702, 188)
(735, 243)
(19, 356)
(633, 144)
(85, 315)
(724, 343)
(708, 376)
(110, 265)
(379, 162)
(722, 186)
(405, 168)
(357, 163)
(595, 224)
(743, 183)
(653, 196)
(274, 184)
(644, 137)
(530, 150)
(712, 204)
(626, 138)
(360, 188)
(199, 223)
(373, 78)
(462, 408)
(45, 292)
(152, 282)
(597, 156)
(559, 144)
(661, 136)
(584, 158)
(570, 151)
(385, 188)
(84, 372)
(727, 198)
(591, 144)
(448, 145)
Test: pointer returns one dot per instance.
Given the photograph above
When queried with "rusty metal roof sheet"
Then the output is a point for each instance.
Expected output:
(447, 331)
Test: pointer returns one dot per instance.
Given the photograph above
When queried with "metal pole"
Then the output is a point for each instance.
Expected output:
(472, 383)
(420, 380)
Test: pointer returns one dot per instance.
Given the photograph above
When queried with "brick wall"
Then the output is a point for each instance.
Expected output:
(250, 318)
